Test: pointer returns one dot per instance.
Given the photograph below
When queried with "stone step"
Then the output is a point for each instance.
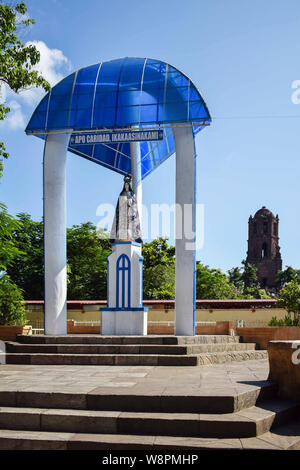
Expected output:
(250, 422)
(134, 359)
(225, 357)
(283, 438)
(134, 340)
(134, 400)
(101, 359)
(12, 347)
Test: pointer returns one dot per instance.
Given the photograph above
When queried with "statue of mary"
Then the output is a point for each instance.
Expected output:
(126, 224)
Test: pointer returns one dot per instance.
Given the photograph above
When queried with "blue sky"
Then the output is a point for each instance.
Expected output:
(243, 57)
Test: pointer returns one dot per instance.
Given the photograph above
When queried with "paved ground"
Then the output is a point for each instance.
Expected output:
(131, 407)
(218, 379)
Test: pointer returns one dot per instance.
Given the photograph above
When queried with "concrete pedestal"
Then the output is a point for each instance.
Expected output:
(124, 314)
(124, 322)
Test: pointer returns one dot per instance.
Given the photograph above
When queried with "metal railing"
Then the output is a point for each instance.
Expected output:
(251, 323)
(172, 322)
(86, 323)
(37, 331)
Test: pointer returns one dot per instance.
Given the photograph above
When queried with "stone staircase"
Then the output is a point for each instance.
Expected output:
(130, 421)
(130, 350)
(66, 406)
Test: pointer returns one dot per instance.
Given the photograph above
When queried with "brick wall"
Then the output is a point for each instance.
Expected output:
(262, 336)
(9, 333)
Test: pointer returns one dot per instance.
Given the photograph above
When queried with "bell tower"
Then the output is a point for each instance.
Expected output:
(263, 246)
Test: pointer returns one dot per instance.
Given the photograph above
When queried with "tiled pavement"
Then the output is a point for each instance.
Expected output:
(220, 379)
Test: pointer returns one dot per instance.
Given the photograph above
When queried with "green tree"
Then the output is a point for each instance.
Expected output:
(16, 72)
(235, 277)
(287, 275)
(158, 252)
(213, 284)
(252, 288)
(246, 282)
(8, 226)
(159, 270)
(27, 268)
(290, 298)
(11, 307)
(17, 61)
(159, 282)
(87, 251)
(249, 276)
(86, 254)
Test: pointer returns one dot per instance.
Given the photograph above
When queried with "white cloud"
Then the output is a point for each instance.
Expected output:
(53, 65)
(2, 93)
(15, 119)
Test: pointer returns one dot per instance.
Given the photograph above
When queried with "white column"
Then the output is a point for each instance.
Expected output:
(55, 255)
(185, 281)
(136, 174)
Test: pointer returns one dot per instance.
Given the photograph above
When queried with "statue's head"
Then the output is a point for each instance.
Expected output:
(127, 181)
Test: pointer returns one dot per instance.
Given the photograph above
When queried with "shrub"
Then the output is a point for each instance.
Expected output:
(273, 322)
(12, 311)
(286, 321)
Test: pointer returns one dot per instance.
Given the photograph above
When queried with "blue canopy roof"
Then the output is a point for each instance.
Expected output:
(119, 94)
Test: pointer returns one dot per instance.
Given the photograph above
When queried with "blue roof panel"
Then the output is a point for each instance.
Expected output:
(120, 94)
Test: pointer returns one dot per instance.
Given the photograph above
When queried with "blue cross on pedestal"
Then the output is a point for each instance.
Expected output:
(124, 314)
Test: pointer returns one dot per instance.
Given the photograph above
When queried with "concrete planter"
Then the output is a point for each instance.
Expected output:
(10, 332)
(284, 359)
(262, 336)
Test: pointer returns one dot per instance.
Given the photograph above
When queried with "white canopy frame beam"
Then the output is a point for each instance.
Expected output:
(185, 232)
(55, 253)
